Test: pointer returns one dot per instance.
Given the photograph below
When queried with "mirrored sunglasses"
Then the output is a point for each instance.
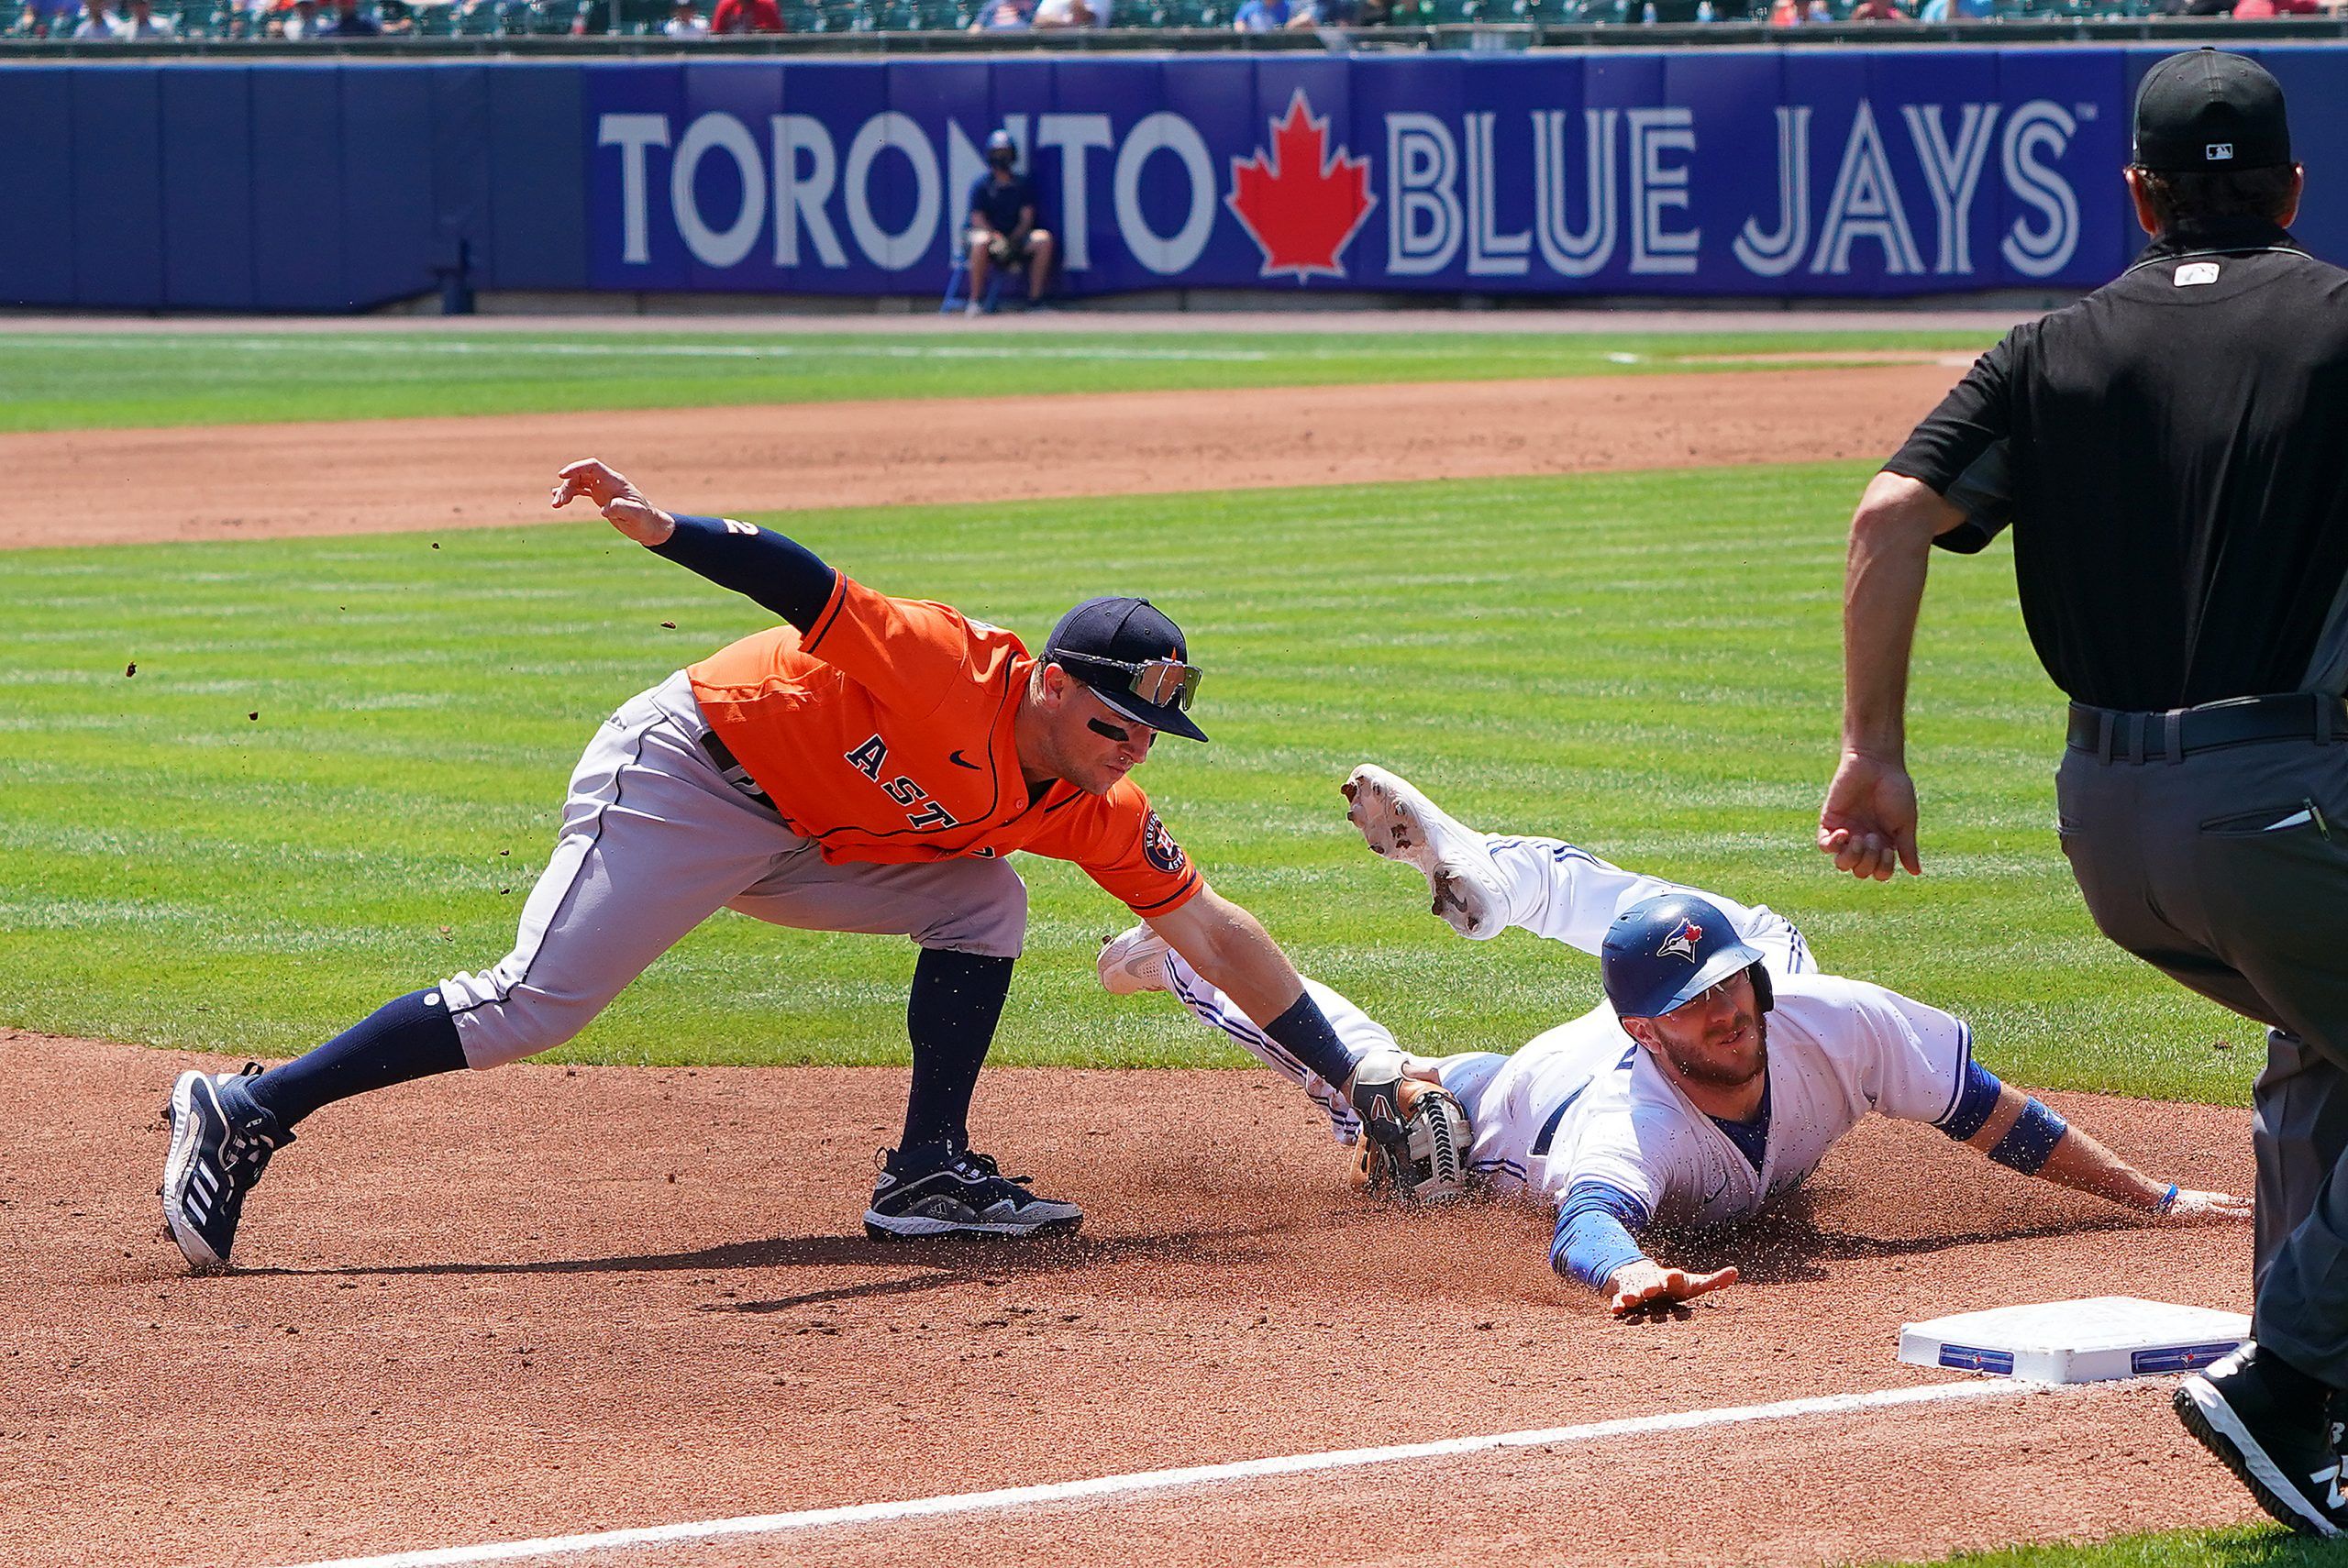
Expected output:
(1162, 682)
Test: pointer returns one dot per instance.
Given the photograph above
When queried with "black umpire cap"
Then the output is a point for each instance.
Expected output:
(2207, 112)
(1132, 657)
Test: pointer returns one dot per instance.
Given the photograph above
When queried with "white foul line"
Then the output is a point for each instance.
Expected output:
(1161, 1480)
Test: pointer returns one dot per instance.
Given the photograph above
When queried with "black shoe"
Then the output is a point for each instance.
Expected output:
(964, 1196)
(2283, 1454)
(214, 1160)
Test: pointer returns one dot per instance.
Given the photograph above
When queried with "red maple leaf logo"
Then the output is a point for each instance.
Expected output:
(1303, 204)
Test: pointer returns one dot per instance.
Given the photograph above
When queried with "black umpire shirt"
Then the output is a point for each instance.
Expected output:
(2178, 472)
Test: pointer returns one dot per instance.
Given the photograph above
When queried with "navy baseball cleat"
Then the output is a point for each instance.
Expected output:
(2283, 1454)
(216, 1156)
(965, 1195)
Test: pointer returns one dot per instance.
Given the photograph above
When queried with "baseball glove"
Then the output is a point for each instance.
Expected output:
(1431, 1164)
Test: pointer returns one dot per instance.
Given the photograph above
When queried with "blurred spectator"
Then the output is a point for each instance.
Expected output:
(350, 22)
(1877, 11)
(746, 16)
(139, 22)
(685, 22)
(1001, 17)
(305, 23)
(393, 19)
(1958, 11)
(1058, 14)
(1261, 17)
(46, 19)
(94, 22)
(1002, 217)
(1325, 14)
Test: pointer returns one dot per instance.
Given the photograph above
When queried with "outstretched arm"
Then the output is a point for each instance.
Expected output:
(1868, 822)
(1226, 943)
(2024, 1136)
(1595, 1245)
(777, 572)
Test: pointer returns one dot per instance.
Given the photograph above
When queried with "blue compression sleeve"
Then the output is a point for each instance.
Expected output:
(1306, 1033)
(781, 574)
(1594, 1226)
(1974, 1101)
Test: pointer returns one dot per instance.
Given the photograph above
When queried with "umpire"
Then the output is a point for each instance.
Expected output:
(2178, 484)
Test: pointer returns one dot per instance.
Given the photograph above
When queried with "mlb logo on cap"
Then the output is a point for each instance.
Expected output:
(2220, 152)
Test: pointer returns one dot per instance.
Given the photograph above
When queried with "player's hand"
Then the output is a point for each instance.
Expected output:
(1647, 1283)
(1868, 823)
(622, 506)
(2190, 1208)
(1375, 1091)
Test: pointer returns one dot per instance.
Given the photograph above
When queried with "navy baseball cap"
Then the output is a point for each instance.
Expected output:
(1132, 656)
(2207, 112)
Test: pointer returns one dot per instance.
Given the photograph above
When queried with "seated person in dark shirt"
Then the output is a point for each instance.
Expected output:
(1002, 223)
(350, 22)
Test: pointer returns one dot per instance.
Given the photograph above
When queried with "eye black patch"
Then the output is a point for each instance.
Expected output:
(1112, 730)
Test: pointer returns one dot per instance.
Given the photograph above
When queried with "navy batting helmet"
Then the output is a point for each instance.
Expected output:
(1666, 951)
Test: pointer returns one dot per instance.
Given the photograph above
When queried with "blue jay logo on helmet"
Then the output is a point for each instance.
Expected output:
(1681, 942)
(1666, 951)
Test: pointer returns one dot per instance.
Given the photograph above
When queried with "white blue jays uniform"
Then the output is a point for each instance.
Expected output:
(1581, 1114)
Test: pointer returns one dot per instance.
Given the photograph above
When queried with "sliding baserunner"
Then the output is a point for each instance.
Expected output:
(1705, 1088)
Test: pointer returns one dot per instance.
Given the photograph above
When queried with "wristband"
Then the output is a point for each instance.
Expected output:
(2032, 1138)
(2168, 1200)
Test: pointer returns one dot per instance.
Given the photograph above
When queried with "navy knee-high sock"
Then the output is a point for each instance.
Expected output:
(956, 1003)
(409, 1037)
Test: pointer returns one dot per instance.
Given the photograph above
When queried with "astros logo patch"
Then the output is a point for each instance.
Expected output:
(1157, 846)
(1681, 944)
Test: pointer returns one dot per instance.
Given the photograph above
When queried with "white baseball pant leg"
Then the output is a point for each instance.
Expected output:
(1564, 893)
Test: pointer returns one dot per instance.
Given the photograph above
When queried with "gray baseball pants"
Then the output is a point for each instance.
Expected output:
(2225, 870)
(654, 840)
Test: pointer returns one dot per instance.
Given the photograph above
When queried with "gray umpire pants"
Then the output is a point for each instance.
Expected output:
(654, 840)
(2227, 871)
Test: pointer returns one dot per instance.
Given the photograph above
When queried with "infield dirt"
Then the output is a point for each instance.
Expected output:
(271, 480)
(557, 1299)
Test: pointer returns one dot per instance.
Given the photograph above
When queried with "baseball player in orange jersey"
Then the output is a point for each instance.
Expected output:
(865, 767)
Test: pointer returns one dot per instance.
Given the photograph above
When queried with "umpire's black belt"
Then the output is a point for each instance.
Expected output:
(2111, 734)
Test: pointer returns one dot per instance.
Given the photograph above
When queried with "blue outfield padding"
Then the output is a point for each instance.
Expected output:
(117, 185)
(36, 186)
(296, 158)
(1759, 173)
(539, 142)
(388, 156)
(206, 140)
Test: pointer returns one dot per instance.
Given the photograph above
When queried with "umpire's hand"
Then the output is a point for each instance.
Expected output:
(623, 507)
(1868, 823)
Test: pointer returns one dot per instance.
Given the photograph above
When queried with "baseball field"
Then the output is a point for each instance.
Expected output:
(298, 660)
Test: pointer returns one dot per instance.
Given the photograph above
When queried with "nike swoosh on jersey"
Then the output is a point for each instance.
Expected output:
(959, 760)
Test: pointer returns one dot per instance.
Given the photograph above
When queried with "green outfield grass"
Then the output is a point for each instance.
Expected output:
(2253, 1546)
(1645, 663)
(66, 382)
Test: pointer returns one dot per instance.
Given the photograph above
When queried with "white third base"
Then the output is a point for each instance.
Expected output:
(2076, 1341)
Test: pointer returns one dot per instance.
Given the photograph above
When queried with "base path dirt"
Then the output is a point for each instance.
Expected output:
(547, 1300)
(273, 480)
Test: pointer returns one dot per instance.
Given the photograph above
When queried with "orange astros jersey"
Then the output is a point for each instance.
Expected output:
(885, 734)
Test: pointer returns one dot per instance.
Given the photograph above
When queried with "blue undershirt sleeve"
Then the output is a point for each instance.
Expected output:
(1975, 1098)
(1594, 1226)
(779, 573)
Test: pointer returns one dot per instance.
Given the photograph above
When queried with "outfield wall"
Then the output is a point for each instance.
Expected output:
(1717, 173)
